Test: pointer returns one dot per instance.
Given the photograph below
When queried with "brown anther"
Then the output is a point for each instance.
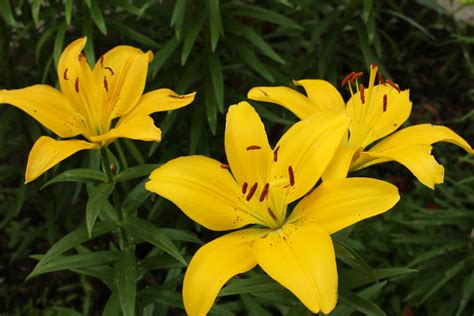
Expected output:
(106, 84)
(356, 76)
(380, 77)
(291, 174)
(65, 74)
(270, 212)
(76, 85)
(264, 93)
(102, 61)
(373, 66)
(110, 69)
(394, 85)
(347, 78)
(384, 108)
(244, 187)
(224, 166)
(253, 147)
(275, 154)
(81, 55)
(252, 191)
(362, 95)
(176, 96)
(264, 193)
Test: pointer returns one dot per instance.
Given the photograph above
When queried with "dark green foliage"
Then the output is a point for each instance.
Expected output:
(417, 257)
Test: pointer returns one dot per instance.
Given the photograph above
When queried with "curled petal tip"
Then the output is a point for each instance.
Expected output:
(150, 55)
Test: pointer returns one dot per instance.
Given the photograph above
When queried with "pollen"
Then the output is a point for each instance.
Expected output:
(224, 166)
(65, 74)
(394, 85)
(253, 147)
(244, 187)
(347, 78)
(275, 154)
(264, 193)
(76, 85)
(106, 84)
(111, 70)
(356, 76)
(362, 95)
(384, 108)
(252, 191)
(291, 174)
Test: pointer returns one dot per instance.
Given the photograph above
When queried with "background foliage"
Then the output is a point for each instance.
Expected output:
(416, 259)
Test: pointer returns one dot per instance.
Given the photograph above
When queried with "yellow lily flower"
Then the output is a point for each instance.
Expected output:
(89, 103)
(375, 112)
(297, 250)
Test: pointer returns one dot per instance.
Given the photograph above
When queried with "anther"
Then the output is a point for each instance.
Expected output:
(253, 147)
(373, 66)
(264, 193)
(271, 213)
(65, 74)
(384, 108)
(275, 154)
(264, 93)
(102, 61)
(224, 166)
(76, 84)
(347, 78)
(81, 55)
(244, 187)
(362, 95)
(110, 69)
(252, 191)
(106, 84)
(394, 85)
(356, 76)
(291, 175)
(381, 79)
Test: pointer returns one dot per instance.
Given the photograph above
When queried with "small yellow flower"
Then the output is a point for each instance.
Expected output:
(375, 112)
(89, 103)
(295, 250)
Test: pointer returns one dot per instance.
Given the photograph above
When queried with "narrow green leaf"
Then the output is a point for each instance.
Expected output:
(136, 172)
(467, 293)
(7, 13)
(177, 16)
(367, 5)
(247, 54)
(42, 41)
(181, 235)
(215, 22)
(78, 175)
(68, 11)
(195, 131)
(135, 198)
(152, 234)
(163, 55)
(217, 80)
(112, 307)
(211, 106)
(352, 258)
(59, 42)
(134, 151)
(191, 36)
(96, 203)
(133, 34)
(126, 274)
(127, 6)
(252, 11)
(87, 30)
(255, 284)
(413, 23)
(97, 16)
(160, 262)
(361, 304)
(35, 9)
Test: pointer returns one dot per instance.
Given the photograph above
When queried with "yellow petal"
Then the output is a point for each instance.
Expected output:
(213, 265)
(308, 147)
(340, 203)
(158, 101)
(291, 99)
(417, 158)
(47, 152)
(138, 127)
(246, 145)
(340, 163)
(302, 259)
(124, 68)
(205, 191)
(48, 106)
(322, 94)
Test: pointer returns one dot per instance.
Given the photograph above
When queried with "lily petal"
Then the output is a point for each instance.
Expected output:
(246, 144)
(46, 105)
(340, 203)
(302, 259)
(138, 127)
(322, 94)
(213, 265)
(204, 190)
(291, 99)
(48, 152)
(308, 147)
(340, 164)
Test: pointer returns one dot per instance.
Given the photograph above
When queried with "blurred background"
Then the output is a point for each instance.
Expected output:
(417, 259)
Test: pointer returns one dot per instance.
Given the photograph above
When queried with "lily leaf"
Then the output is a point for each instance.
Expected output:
(126, 274)
(96, 202)
(135, 172)
(78, 175)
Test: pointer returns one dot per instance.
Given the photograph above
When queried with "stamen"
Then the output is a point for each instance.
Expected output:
(81, 55)
(253, 147)
(76, 84)
(224, 166)
(264, 93)
(373, 66)
(362, 95)
(244, 187)
(102, 61)
(356, 76)
(384, 108)
(264, 193)
(65, 74)
(347, 78)
(252, 191)
(106, 84)
(394, 85)
(177, 96)
(275, 154)
(110, 69)
(380, 77)
(271, 213)
(292, 175)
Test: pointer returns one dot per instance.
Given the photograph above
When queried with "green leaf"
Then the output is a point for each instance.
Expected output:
(361, 304)
(134, 35)
(215, 22)
(97, 16)
(78, 175)
(181, 235)
(136, 172)
(211, 106)
(467, 293)
(252, 11)
(127, 6)
(135, 198)
(247, 54)
(42, 40)
(82, 260)
(163, 55)
(217, 79)
(191, 36)
(126, 274)
(68, 11)
(97, 202)
(412, 23)
(7, 13)
(152, 234)
(71, 240)
(177, 16)
(367, 5)
(35, 8)
(352, 258)
(59, 42)
(112, 307)
(255, 284)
